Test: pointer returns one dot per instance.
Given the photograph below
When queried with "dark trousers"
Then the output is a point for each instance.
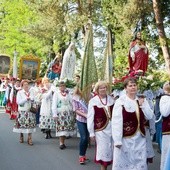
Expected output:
(159, 134)
(38, 116)
(84, 137)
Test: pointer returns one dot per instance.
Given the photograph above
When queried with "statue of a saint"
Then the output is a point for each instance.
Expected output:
(69, 62)
(54, 69)
(138, 55)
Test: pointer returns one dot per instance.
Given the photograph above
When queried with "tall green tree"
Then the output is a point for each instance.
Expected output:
(16, 16)
(161, 33)
(46, 27)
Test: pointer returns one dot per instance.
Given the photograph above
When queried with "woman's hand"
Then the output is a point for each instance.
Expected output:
(141, 100)
(84, 115)
(93, 139)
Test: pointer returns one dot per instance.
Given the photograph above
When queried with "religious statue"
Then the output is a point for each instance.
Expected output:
(138, 55)
(54, 69)
(68, 65)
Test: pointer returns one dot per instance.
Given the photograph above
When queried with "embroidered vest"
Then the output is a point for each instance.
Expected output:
(165, 122)
(15, 91)
(131, 123)
(102, 117)
(166, 125)
(9, 91)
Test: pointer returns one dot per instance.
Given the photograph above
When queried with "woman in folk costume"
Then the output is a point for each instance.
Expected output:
(3, 87)
(25, 121)
(80, 108)
(2, 92)
(165, 112)
(14, 106)
(35, 90)
(128, 129)
(68, 65)
(7, 95)
(46, 119)
(99, 124)
(149, 128)
(63, 113)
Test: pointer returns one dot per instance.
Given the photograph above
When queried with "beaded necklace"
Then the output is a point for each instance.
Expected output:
(102, 101)
(63, 93)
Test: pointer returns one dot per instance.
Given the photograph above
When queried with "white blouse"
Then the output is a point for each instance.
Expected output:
(165, 105)
(23, 103)
(117, 119)
(95, 101)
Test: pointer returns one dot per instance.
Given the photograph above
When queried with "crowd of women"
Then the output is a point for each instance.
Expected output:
(121, 128)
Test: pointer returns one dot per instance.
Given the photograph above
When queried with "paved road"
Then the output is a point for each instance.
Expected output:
(44, 154)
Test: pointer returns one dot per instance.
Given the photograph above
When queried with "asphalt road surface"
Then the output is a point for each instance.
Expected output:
(45, 153)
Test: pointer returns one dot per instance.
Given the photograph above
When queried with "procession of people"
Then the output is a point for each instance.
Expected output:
(120, 126)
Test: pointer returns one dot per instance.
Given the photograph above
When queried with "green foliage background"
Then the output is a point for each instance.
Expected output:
(44, 28)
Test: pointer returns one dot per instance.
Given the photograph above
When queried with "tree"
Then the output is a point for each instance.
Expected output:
(44, 27)
(161, 32)
(17, 16)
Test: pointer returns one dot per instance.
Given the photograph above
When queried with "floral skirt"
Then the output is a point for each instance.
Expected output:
(8, 107)
(25, 122)
(65, 123)
(14, 109)
(14, 106)
(47, 122)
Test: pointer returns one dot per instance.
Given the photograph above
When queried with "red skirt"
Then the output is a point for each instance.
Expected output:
(14, 108)
(8, 107)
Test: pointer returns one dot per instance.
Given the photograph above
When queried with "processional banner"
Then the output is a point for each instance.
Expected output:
(29, 67)
(5, 65)
(89, 70)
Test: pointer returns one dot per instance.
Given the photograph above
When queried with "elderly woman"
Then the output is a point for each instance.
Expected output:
(25, 121)
(99, 124)
(46, 120)
(14, 106)
(63, 113)
(3, 87)
(165, 112)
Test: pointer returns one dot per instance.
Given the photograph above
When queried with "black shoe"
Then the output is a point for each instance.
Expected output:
(43, 130)
(49, 133)
(68, 137)
(47, 136)
(62, 146)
